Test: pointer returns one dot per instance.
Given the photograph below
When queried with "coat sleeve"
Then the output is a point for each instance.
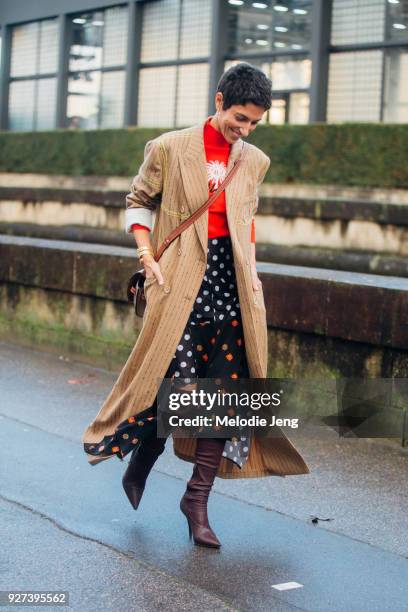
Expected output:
(261, 176)
(146, 188)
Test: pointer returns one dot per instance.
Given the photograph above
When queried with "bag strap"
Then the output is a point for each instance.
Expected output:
(178, 230)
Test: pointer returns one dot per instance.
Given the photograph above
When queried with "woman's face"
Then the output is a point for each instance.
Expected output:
(238, 121)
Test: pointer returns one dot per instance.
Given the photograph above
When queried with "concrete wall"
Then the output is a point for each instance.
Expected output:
(71, 297)
(289, 216)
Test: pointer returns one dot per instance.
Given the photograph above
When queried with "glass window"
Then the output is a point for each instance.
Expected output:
(112, 98)
(174, 30)
(269, 26)
(160, 31)
(83, 99)
(24, 46)
(96, 93)
(290, 73)
(21, 105)
(46, 97)
(355, 80)
(195, 35)
(192, 94)
(115, 36)
(277, 112)
(48, 52)
(34, 54)
(86, 46)
(397, 22)
(357, 21)
(396, 86)
(299, 107)
(157, 87)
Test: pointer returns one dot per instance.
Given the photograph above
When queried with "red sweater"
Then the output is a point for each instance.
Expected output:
(217, 151)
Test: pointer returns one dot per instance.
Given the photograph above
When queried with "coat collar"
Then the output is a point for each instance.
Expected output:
(194, 176)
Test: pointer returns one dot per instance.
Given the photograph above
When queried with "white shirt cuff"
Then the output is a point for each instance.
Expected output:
(138, 215)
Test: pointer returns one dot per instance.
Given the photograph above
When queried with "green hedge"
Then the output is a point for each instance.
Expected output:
(363, 154)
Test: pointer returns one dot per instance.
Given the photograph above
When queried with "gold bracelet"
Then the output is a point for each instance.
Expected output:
(144, 249)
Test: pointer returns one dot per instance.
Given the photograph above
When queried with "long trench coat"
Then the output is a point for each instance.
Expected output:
(172, 182)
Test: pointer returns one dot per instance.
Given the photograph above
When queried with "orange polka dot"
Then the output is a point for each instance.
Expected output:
(212, 340)
(229, 356)
(131, 419)
(234, 323)
(115, 449)
(224, 347)
(205, 357)
(234, 375)
(239, 341)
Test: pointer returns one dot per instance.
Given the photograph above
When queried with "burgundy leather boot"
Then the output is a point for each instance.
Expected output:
(193, 504)
(141, 462)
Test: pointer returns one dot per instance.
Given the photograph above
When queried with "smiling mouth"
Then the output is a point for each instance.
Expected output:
(236, 133)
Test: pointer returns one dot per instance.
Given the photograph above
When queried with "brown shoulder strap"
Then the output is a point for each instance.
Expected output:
(178, 230)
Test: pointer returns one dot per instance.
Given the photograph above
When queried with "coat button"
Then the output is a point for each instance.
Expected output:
(166, 289)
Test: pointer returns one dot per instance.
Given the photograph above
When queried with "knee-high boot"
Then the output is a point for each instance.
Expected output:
(141, 462)
(194, 501)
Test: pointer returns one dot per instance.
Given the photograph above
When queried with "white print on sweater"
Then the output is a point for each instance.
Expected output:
(216, 172)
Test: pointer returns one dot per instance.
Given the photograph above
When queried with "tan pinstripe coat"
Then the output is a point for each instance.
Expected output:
(172, 181)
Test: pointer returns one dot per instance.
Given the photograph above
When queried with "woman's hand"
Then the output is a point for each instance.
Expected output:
(256, 282)
(152, 268)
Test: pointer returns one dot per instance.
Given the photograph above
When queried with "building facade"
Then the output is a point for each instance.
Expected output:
(103, 64)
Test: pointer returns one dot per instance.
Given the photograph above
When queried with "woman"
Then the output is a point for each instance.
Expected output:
(205, 314)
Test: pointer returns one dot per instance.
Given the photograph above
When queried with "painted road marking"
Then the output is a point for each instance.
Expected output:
(285, 586)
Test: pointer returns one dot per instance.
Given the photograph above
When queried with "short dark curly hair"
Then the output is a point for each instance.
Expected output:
(244, 83)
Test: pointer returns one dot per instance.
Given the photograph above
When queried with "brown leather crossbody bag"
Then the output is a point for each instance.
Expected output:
(135, 286)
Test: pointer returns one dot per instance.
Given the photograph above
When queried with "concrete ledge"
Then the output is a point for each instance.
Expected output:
(335, 209)
(66, 196)
(80, 268)
(360, 307)
(334, 259)
(287, 207)
(371, 309)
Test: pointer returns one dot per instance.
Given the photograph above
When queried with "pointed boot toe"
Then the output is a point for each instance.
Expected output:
(133, 492)
(140, 465)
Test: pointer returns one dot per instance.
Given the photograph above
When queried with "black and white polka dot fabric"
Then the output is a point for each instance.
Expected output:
(212, 344)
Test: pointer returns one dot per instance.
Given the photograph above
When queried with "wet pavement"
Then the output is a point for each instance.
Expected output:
(68, 525)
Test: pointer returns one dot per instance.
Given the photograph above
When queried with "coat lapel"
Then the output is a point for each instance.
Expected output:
(195, 181)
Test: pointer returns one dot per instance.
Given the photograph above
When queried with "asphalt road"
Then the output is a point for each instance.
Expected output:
(66, 525)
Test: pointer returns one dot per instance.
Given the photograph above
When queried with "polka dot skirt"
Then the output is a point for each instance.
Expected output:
(211, 346)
